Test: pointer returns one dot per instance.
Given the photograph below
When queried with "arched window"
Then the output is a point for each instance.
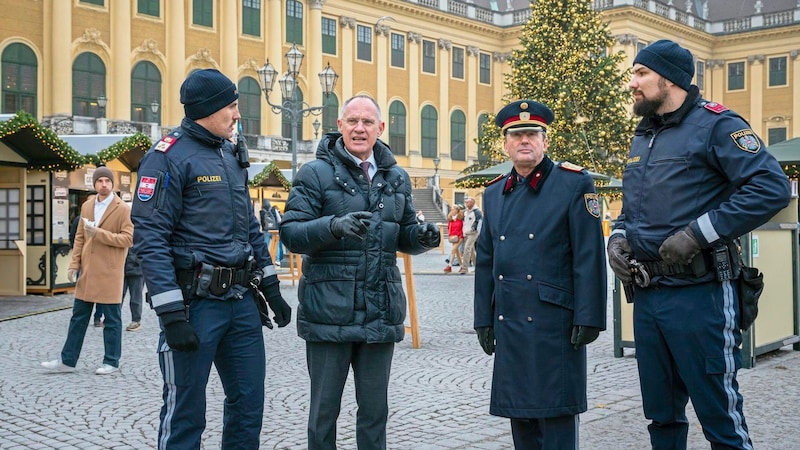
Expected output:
(458, 136)
(286, 124)
(430, 132)
(483, 151)
(145, 88)
(250, 109)
(397, 128)
(19, 79)
(88, 83)
(330, 113)
(294, 22)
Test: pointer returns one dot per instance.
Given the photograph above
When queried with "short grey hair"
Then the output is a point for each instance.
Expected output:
(347, 103)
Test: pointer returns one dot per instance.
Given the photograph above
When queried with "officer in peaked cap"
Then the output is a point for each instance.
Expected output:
(540, 283)
(524, 115)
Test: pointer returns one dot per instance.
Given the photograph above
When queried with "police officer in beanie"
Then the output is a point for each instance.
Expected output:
(696, 179)
(202, 251)
(540, 283)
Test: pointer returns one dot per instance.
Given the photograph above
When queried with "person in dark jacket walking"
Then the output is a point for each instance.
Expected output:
(696, 179)
(349, 212)
(540, 284)
(204, 258)
(134, 285)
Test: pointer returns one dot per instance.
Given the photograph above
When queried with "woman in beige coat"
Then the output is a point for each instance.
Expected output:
(105, 233)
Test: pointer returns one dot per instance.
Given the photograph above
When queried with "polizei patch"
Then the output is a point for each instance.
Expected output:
(746, 140)
(592, 202)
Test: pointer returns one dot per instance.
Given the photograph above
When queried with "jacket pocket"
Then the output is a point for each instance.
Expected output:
(329, 294)
(556, 296)
(395, 297)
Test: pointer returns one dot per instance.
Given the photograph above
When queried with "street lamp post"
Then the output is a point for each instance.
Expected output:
(154, 109)
(101, 104)
(436, 172)
(294, 108)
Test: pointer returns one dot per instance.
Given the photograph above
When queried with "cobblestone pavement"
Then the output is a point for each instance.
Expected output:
(439, 393)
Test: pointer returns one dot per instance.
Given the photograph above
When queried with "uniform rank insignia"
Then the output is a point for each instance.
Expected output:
(746, 140)
(571, 167)
(147, 187)
(499, 177)
(715, 107)
(592, 204)
(165, 143)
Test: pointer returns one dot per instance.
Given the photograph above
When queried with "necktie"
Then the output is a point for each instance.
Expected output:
(365, 167)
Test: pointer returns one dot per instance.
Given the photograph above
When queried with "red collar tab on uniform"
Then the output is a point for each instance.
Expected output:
(535, 178)
(509, 183)
(715, 107)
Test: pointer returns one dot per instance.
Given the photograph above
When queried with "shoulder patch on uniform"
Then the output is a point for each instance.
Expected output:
(499, 177)
(571, 167)
(166, 142)
(147, 188)
(746, 140)
(717, 108)
(592, 203)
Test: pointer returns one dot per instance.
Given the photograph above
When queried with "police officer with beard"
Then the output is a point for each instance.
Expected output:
(697, 177)
(202, 252)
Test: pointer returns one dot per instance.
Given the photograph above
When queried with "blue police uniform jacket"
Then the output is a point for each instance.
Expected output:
(191, 206)
(701, 166)
(351, 289)
(540, 269)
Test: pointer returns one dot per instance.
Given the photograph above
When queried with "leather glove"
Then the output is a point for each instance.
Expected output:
(486, 339)
(353, 225)
(680, 248)
(178, 332)
(72, 275)
(619, 257)
(281, 310)
(582, 335)
(428, 235)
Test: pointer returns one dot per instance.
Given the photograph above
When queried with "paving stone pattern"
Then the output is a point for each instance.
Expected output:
(439, 393)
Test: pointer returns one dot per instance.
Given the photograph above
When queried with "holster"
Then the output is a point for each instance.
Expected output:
(206, 280)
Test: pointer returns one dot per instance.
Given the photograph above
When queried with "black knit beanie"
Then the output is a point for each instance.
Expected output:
(205, 92)
(669, 60)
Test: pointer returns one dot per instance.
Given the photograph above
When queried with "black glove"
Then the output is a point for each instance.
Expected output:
(582, 335)
(680, 248)
(486, 339)
(353, 225)
(281, 310)
(178, 332)
(619, 257)
(428, 235)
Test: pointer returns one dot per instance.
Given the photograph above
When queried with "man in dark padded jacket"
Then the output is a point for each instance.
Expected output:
(349, 212)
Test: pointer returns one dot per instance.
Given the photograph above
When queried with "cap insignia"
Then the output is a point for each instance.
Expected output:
(523, 106)
(524, 115)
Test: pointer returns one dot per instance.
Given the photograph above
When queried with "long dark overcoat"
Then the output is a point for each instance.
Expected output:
(540, 269)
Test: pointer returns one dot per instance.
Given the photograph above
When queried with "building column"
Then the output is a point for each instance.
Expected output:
(443, 153)
(715, 78)
(383, 47)
(473, 78)
(171, 108)
(347, 25)
(314, 58)
(229, 42)
(500, 60)
(270, 121)
(794, 130)
(756, 63)
(118, 87)
(413, 138)
(60, 58)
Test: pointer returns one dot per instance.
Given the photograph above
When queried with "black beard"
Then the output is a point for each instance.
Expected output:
(647, 108)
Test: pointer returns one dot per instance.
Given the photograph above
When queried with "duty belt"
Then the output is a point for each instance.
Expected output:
(697, 268)
(216, 280)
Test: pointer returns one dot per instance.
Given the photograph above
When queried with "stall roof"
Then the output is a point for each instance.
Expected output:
(269, 175)
(37, 145)
(786, 152)
(101, 148)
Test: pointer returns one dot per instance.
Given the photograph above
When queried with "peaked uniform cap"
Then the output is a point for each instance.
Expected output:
(524, 115)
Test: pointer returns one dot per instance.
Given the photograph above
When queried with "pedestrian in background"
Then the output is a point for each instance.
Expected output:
(472, 220)
(540, 284)
(697, 177)
(134, 285)
(455, 235)
(101, 243)
(349, 212)
(203, 255)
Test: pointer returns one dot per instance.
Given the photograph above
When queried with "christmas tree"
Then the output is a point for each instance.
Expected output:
(563, 62)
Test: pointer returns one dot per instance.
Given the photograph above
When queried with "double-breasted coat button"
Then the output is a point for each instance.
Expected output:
(502, 238)
(530, 319)
(499, 277)
(500, 317)
(530, 236)
(529, 277)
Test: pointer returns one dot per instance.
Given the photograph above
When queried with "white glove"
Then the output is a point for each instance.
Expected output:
(89, 230)
(72, 275)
